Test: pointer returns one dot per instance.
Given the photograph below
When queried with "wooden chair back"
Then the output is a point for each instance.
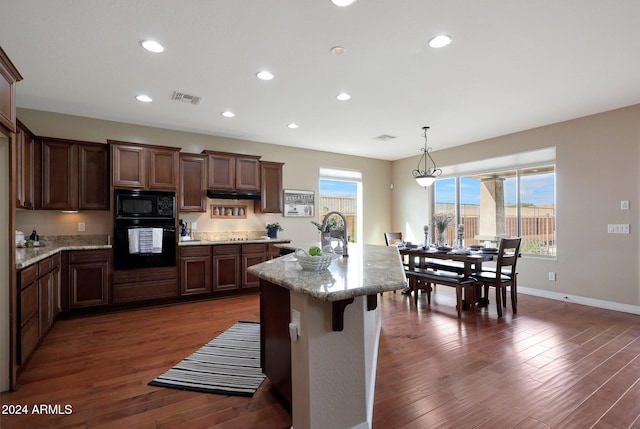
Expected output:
(508, 256)
(392, 238)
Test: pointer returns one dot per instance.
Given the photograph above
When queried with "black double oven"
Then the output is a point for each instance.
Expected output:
(144, 229)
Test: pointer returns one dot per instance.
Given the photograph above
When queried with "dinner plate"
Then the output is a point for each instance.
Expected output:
(489, 250)
(444, 248)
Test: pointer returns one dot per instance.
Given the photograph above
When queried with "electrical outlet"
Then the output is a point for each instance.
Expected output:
(552, 276)
(194, 225)
(81, 227)
(618, 228)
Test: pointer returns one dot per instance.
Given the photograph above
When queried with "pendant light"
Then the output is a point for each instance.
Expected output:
(427, 176)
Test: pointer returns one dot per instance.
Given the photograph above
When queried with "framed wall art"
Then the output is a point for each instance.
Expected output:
(299, 203)
(228, 211)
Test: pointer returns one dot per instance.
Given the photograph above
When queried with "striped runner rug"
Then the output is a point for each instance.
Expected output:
(228, 365)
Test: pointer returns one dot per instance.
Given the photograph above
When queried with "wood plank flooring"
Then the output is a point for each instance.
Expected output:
(553, 365)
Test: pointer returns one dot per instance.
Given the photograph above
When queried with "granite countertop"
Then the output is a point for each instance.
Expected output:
(367, 270)
(26, 256)
(205, 242)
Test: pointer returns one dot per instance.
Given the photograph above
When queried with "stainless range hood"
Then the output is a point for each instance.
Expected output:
(233, 195)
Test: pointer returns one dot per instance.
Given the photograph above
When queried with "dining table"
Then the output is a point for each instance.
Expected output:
(465, 261)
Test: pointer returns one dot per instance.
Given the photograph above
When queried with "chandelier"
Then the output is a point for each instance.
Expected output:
(426, 176)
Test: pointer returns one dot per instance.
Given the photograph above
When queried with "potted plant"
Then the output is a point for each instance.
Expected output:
(325, 233)
(273, 228)
(441, 222)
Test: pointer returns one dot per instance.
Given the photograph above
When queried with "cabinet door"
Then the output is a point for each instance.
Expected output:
(45, 301)
(249, 280)
(93, 177)
(247, 174)
(59, 176)
(129, 166)
(163, 169)
(89, 278)
(270, 188)
(195, 275)
(25, 159)
(193, 183)
(226, 272)
(222, 172)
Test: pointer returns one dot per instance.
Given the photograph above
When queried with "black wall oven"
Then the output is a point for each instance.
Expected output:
(144, 229)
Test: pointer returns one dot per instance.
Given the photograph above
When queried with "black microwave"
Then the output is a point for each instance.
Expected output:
(138, 204)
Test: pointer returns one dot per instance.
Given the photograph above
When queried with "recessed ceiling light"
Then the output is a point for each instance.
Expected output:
(228, 114)
(342, 3)
(440, 41)
(152, 46)
(144, 98)
(292, 126)
(343, 96)
(337, 50)
(264, 75)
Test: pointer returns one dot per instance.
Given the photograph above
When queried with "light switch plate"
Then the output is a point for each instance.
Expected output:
(194, 225)
(624, 205)
(81, 226)
(618, 228)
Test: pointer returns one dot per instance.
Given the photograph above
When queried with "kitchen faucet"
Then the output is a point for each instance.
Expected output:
(345, 238)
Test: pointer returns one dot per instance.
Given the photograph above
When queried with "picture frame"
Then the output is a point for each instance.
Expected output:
(299, 203)
(228, 211)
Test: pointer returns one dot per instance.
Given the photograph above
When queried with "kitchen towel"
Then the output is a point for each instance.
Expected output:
(157, 240)
(145, 240)
(133, 240)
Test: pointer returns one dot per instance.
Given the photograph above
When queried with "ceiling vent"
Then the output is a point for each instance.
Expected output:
(186, 98)
(384, 137)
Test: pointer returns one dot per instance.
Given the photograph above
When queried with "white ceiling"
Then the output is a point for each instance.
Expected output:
(513, 65)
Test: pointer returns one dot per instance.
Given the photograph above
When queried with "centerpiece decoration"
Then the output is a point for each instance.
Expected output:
(315, 259)
(325, 233)
(441, 222)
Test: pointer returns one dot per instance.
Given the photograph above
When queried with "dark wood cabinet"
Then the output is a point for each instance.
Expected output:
(26, 167)
(89, 274)
(145, 284)
(271, 200)
(59, 175)
(93, 177)
(9, 75)
(252, 254)
(144, 166)
(38, 303)
(275, 344)
(193, 183)
(74, 175)
(233, 172)
(195, 270)
(226, 267)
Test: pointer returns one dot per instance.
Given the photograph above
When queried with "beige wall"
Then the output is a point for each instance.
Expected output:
(597, 166)
(301, 171)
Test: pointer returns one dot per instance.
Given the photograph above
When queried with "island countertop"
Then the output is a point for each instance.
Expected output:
(368, 270)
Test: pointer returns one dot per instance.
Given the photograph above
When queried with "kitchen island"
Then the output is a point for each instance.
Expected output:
(320, 332)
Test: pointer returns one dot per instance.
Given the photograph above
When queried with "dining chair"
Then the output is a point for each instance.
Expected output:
(504, 276)
(392, 238)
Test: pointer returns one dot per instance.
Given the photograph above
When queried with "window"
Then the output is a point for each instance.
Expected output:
(341, 190)
(506, 203)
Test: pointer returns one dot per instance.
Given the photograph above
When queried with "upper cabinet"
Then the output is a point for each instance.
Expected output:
(144, 166)
(233, 172)
(74, 175)
(9, 75)
(193, 182)
(271, 188)
(26, 167)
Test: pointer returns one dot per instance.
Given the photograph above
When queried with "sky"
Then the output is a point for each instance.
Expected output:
(536, 189)
(337, 188)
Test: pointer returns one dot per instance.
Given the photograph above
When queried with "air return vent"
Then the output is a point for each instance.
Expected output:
(384, 137)
(186, 98)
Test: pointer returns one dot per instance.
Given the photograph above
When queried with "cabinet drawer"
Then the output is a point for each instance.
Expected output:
(81, 256)
(226, 249)
(28, 339)
(27, 275)
(132, 292)
(254, 248)
(157, 274)
(188, 251)
(45, 266)
(28, 303)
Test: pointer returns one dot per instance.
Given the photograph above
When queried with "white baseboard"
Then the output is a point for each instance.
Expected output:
(609, 305)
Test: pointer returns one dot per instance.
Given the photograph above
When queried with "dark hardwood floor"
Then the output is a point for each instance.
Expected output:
(553, 365)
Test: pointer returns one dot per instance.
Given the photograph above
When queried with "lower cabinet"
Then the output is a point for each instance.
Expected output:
(144, 284)
(226, 267)
(252, 254)
(195, 270)
(38, 303)
(89, 272)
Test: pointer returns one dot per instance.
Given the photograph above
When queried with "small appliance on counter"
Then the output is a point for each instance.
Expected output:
(19, 238)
